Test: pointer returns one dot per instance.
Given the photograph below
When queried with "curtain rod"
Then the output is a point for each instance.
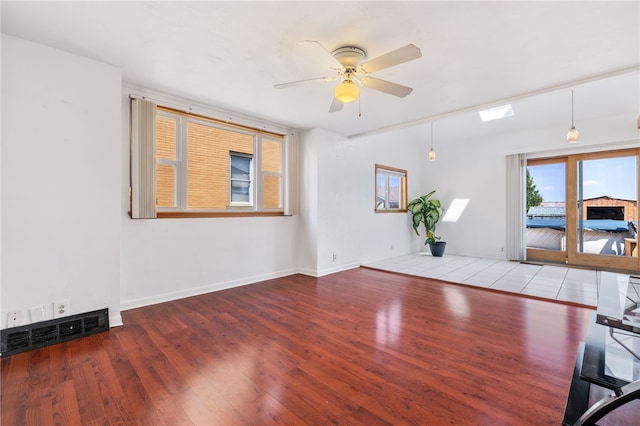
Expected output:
(256, 124)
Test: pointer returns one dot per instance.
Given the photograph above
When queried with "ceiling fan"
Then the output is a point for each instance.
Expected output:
(352, 69)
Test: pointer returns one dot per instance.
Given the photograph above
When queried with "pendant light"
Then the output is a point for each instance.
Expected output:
(573, 135)
(432, 153)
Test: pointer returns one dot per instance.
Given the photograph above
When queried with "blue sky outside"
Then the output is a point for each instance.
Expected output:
(613, 177)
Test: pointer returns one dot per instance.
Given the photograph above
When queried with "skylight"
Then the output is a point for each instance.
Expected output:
(496, 113)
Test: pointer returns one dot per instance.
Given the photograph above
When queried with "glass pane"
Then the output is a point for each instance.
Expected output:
(240, 167)
(239, 192)
(394, 192)
(546, 206)
(607, 206)
(165, 138)
(271, 192)
(165, 184)
(381, 190)
(270, 156)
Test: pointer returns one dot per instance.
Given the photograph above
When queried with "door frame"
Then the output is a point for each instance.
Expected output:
(570, 255)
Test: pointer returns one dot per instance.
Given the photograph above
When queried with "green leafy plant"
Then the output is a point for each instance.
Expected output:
(427, 211)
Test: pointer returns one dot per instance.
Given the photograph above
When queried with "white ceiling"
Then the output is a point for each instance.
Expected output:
(230, 54)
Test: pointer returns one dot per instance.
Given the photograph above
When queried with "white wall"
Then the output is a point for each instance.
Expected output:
(386, 235)
(338, 208)
(66, 232)
(166, 259)
(477, 171)
(65, 188)
(61, 171)
(328, 204)
(338, 197)
(307, 232)
(172, 258)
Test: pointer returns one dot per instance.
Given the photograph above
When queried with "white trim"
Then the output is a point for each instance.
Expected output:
(195, 291)
(326, 271)
(115, 320)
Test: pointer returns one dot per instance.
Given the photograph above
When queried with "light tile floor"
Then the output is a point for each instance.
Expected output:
(546, 281)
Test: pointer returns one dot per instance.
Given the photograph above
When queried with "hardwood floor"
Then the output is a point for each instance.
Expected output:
(356, 347)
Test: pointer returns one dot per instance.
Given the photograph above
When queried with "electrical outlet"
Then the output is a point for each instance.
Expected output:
(335, 257)
(37, 313)
(61, 308)
(14, 319)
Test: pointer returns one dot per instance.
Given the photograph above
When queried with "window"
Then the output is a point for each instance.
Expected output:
(203, 167)
(391, 189)
(166, 161)
(599, 213)
(240, 179)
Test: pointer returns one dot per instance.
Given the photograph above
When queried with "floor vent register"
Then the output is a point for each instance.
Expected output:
(45, 333)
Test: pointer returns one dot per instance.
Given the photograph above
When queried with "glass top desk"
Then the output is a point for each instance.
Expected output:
(610, 357)
(612, 349)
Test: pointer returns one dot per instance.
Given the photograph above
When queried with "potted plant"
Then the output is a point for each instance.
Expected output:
(427, 211)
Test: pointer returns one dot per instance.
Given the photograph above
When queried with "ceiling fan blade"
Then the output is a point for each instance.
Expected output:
(336, 105)
(390, 59)
(319, 52)
(386, 86)
(308, 80)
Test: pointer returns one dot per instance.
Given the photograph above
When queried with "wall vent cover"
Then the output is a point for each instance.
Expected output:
(44, 333)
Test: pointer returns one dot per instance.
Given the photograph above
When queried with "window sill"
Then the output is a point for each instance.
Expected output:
(185, 215)
(390, 211)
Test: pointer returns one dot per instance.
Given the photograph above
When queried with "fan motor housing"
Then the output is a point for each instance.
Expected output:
(349, 56)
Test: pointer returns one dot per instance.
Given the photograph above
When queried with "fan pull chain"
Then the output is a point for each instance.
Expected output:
(359, 106)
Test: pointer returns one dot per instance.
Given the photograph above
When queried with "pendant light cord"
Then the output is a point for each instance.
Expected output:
(431, 136)
(572, 125)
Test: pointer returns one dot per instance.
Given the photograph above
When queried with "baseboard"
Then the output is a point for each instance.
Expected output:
(322, 272)
(195, 291)
(115, 320)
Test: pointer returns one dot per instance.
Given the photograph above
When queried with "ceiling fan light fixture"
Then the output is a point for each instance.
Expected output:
(347, 91)
(350, 65)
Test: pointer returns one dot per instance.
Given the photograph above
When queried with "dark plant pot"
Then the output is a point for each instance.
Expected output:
(437, 248)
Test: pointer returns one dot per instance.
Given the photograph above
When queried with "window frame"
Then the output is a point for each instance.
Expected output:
(387, 171)
(179, 171)
(251, 180)
(254, 207)
(569, 254)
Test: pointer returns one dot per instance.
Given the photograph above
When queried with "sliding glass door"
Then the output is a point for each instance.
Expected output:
(583, 210)
(546, 236)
